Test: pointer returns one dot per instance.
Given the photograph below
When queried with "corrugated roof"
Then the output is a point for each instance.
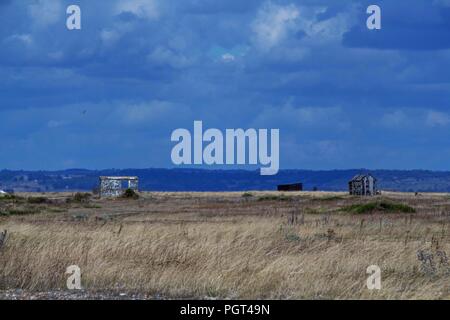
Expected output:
(118, 178)
(360, 177)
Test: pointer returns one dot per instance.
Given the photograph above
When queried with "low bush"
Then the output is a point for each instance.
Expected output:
(10, 197)
(328, 198)
(275, 198)
(37, 200)
(80, 197)
(130, 194)
(382, 206)
(18, 212)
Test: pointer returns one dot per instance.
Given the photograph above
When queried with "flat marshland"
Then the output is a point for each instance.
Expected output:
(243, 245)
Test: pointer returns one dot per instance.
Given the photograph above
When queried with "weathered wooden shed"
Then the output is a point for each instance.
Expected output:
(116, 186)
(363, 185)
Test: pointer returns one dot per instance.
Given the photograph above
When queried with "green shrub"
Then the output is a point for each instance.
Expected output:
(275, 198)
(18, 212)
(382, 206)
(37, 200)
(292, 237)
(130, 194)
(328, 198)
(7, 197)
(80, 197)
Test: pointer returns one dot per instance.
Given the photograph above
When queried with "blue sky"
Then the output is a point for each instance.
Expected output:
(110, 94)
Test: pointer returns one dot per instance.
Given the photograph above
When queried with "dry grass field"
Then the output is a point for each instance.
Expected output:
(257, 245)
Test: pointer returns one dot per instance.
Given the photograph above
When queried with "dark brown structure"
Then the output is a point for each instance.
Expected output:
(290, 187)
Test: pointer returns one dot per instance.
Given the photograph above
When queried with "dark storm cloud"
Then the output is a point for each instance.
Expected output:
(309, 68)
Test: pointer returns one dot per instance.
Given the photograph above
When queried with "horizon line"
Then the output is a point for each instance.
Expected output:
(217, 169)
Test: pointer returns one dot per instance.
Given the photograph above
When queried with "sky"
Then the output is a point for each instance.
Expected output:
(110, 95)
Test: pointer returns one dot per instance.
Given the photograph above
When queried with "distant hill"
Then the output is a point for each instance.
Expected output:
(221, 180)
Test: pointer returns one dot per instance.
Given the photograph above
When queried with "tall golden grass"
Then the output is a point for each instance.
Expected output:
(214, 245)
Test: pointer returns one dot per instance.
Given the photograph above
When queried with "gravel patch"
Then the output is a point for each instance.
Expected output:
(72, 295)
